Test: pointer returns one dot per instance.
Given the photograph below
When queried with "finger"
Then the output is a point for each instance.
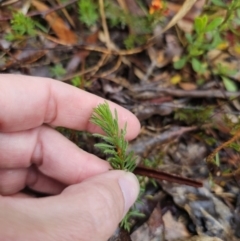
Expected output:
(9, 181)
(87, 211)
(105, 200)
(53, 154)
(13, 181)
(28, 102)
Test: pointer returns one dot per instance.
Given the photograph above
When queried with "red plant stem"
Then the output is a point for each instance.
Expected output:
(160, 175)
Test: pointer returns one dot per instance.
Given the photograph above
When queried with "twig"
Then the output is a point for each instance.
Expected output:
(104, 24)
(160, 175)
(149, 72)
(101, 62)
(8, 2)
(91, 47)
(82, 72)
(67, 15)
(223, 145)
(117, 80)
(113, 69)
(151, 142)
(155, 91)
(123, 5)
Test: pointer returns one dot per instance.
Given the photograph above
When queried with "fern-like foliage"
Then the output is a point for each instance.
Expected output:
(22, 24)
(57, 71)
(114, 145)
(88, 12)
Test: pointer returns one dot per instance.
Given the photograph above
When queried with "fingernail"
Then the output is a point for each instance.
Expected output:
(130, 189)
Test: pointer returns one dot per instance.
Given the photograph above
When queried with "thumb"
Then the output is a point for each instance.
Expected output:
(101, 202)
(88, 211)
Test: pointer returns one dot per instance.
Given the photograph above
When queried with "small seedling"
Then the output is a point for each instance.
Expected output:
(57, 71)
(114, 143)
(88, 12)
(209, 30)
(23, 26)
(199, 44)
(76, 81)
(115, 146)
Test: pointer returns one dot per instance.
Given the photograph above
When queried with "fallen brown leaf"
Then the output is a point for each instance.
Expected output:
(57, 24)
(188, 86)
(174, 229)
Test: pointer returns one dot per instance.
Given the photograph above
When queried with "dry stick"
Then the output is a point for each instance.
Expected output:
(149, 72)
(117, 80)
(91, 48)
(8, 2)
(93, 68)
(165, 137)
(100, 64)
(109, 43)
(67, 15)
(113, 69)
(123, 5)
(7, 52)
(104, 24)
(51, 38)
(223, 145)
(57, 8)
(158, 91)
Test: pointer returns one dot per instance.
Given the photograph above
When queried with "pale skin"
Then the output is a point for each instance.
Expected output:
(87, 199)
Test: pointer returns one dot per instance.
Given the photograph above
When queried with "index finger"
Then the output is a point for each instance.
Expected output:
(27, 102)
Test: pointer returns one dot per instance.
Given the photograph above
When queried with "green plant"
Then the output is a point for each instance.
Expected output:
(209, 28)
(194, 116)
(225, 72)
(139, 26)
(209, 140)
(114, 143)
(232, 11)
(76, 81)
(133, 40)
(114, 146)
(205, 38)
(57, 71)
(115, 15)
(88, 12)
(23, 25)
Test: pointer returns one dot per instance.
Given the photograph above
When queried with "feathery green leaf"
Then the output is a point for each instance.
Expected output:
(114, 145)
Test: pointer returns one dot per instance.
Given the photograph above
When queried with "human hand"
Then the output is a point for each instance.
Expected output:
(88, 200)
